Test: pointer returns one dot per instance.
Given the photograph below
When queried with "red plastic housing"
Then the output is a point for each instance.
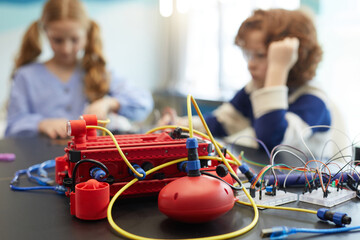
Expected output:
(188, 199)
(196, 199)
(90, 200)
(145, 150)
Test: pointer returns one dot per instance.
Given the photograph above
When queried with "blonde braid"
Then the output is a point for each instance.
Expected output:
(30, 47)
(96, 79)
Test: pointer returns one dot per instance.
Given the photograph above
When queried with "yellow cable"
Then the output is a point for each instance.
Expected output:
(104, 123)
(237, 162)
(127, 161)
(133, 236)
(280, 208)
(216, 145)
(190, 117)
(119, 149)
(224, 236)
(195, 131)
(216, 159)
(208, 132)
(222, 158)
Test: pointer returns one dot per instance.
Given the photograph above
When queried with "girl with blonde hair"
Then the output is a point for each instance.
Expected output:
(74, 81)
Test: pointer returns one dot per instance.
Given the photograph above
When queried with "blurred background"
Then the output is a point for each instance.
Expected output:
(177, 47)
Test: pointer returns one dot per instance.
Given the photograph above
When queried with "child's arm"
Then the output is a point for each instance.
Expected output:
(278, 121)
(23, 117)
(270, 103)
(53, 127)
(20, 122)
(131, 102)
(271, 106)
(282, 55)
(103, 106)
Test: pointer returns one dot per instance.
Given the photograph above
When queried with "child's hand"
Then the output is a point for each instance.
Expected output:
(102, 107)
(282, 56)
(53, 127)
(284, 53)
(168, 117)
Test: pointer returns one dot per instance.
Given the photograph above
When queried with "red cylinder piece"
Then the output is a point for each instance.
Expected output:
(77, 129)
(91, 120)
(195, 199)
(60, 167)
(91, 199)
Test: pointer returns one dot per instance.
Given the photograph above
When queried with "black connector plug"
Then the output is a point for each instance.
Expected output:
(176, 134)
(351, 182)
(222, 170)
(338, 218)
(252, 192)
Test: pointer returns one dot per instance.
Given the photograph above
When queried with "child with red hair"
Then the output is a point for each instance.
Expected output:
(282, 53)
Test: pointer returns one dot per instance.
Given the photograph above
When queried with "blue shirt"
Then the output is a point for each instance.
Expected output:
(38, 94)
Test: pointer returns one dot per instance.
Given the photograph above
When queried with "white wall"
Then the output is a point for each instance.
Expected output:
(338, 28)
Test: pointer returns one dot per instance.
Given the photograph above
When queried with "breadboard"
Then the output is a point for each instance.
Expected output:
(280, 198)
(334, 197)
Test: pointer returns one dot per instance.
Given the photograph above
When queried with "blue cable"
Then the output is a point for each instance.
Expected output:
(283, 232)
(255, 139)
(41, 180)
(17, 175)
(47, 164)
(59, 189)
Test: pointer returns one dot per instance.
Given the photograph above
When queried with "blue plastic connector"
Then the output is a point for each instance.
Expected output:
(187, 166)
(191, 143)
(139, 170)
(338, 218)
(98, 174)
(193, 165)
(248, 174)
(269, 189)
(182, 166)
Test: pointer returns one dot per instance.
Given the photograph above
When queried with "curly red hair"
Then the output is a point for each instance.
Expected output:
(276, 24)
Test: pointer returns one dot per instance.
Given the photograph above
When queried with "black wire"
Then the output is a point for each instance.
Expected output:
(340, 152)
(237, 180)
(219, 178)
(83, 161)
(332, 176)
(346, 166)
(331, 159)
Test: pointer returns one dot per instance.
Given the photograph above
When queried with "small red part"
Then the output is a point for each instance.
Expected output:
(61, 167)
(78, 131)
(90, 200)
(195, 199)
(91, 120)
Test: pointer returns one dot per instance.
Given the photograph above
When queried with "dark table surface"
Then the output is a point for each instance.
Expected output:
(46, 214)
